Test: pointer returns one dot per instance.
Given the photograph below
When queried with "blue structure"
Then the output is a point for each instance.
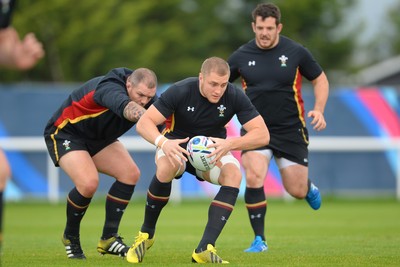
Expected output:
(25, 109)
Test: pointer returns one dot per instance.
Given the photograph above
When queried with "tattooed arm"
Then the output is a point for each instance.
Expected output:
(133, 111)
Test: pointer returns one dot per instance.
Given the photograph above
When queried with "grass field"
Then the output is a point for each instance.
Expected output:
(342, 233)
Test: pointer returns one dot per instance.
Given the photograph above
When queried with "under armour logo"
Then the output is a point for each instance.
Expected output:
(190, 109)
(76, 214)
(223, 218)
(120, 210)
(255, 216)
(252, 63)
(151, 206)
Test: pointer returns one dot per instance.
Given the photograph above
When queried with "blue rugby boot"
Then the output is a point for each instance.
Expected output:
(258, 245)
(314, 197)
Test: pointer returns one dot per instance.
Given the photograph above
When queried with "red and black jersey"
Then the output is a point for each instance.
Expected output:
(190, 114)
(95, 110)
(272, 79)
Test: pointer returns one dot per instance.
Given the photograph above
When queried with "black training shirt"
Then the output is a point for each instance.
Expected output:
(272, 79)
(189, 114)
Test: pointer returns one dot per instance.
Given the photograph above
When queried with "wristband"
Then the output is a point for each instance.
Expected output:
(166, 139)
(158, 139)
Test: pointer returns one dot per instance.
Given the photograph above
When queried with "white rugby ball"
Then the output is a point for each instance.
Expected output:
(198, 150)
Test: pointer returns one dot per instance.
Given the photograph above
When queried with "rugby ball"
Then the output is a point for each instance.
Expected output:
(198, 152)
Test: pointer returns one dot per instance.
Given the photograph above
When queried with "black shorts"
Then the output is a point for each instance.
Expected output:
(292, 144)
(60, 144)
(189, 169)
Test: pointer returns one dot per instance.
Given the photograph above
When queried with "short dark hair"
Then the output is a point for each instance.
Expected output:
(265, 10)
(143, 75)
(215, 64)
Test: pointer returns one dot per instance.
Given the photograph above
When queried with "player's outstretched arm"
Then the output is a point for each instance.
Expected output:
(147, 128)
(257, 135)
(147, 125)
(133, 111)
(19, 54)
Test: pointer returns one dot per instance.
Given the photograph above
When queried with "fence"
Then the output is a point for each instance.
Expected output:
(321, 144)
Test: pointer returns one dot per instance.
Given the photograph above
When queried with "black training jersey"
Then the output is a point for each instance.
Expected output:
(95, 110)
(189, 114)
(272, 79)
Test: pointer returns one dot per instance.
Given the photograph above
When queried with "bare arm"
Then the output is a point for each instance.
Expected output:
(257, 135)
(321, 93)
(147, 125)
(133, 111)
(147, 128)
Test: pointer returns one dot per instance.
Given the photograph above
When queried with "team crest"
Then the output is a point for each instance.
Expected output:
(283, 60)
(221, 109)
(66, 144)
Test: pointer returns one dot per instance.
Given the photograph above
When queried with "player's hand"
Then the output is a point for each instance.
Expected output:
(222, 146)
(29, 52)
(318, 120)
(174, 152)
(19, 54)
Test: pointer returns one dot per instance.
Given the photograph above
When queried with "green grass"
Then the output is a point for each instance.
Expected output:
(342, 233)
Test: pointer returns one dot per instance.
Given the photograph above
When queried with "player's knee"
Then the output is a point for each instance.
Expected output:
(254, 180)
(253, 183)
(5, 174)
(135, 174)
(88, 187)
(237, 179)
(230, 177)
(130, 176)
(298, 192)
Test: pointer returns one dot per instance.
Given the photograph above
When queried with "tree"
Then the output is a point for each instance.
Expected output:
(83, 39)
(393, 35)
(382, 45)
